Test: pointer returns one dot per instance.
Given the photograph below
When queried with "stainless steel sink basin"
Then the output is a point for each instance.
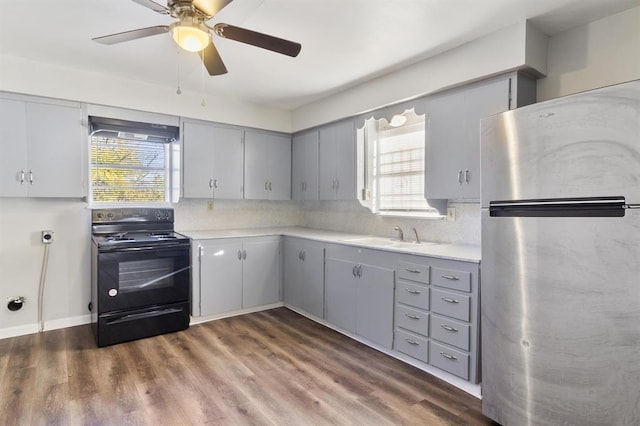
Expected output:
(386, 242)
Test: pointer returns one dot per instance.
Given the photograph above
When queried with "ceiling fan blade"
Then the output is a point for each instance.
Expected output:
(254, 38)
(153, 6)
(212, 60)
(132, 35)
(210, 7)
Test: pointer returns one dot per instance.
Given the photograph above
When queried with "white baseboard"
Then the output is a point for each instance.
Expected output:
(21, 330)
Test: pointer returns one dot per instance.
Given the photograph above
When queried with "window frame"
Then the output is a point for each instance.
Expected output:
(368, 162)
(171, 173)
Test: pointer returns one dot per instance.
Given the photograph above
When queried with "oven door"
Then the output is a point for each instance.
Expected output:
(143, 276)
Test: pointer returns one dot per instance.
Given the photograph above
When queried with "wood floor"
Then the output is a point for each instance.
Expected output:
(273, 367)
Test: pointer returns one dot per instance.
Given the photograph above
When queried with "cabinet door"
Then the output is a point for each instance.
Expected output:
(292, 272)
(374, 310)
(198, 155)
(345, 142)
(445, 131)
(13, 143)
(312, 280)
(279, 159)
(228, 174)
(220, 277)
(341, 294)
(54, 150)
(304, 164)
(261, 272)
(327, 163)
(480, 102)
(256, 165)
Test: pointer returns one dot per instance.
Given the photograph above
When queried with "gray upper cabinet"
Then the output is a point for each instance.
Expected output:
(267, 171)
(42, 153)
(337, 161)
(212, 161)
(304, 166)
(453, 133)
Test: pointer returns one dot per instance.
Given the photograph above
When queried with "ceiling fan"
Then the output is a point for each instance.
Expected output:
(192, 33)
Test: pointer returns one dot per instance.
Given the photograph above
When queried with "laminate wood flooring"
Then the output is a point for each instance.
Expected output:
(273, 367)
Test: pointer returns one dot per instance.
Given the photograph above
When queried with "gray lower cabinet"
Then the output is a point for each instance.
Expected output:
(436, 314)
(234, 273)
(359, 296)
(303, 275)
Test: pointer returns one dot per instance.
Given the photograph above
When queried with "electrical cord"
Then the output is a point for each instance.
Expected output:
(43, 277)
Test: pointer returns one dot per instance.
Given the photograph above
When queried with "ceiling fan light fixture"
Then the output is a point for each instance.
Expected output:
(190, 37)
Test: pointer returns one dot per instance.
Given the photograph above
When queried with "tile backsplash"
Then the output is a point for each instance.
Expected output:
(345, 216)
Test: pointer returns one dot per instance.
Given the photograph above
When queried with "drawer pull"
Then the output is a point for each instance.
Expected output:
(448, 300)
(412, 342)
(447, 356)
(414, 317)
(451, 329)
(413, 271)
(450, 277)
(412, 291)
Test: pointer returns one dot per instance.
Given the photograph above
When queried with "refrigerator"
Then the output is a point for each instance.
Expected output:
(560, 291)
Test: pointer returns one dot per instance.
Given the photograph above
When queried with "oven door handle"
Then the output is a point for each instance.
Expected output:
(149, 314)
(145, 248)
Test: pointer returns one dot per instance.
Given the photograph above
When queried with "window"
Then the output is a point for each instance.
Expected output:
(132, 168)
(393, 153)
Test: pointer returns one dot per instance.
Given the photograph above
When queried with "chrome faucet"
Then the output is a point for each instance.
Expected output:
(415, 231)
(400, 233)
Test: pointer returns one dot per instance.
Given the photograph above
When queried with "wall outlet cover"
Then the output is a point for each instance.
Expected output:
(451, 214)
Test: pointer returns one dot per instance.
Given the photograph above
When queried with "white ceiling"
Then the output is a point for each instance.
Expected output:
(344, 42)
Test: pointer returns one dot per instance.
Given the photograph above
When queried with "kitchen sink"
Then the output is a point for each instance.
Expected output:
(386, 242)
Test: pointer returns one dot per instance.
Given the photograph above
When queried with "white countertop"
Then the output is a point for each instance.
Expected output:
(444, 251)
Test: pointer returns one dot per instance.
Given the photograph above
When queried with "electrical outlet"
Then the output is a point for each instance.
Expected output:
(451, 214)
(210, 205)
(47, 237)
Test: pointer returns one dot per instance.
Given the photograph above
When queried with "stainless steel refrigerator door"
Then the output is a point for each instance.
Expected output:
(583, 145)
(561, 320)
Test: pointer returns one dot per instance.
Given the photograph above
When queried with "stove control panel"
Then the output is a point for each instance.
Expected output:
(131, 215)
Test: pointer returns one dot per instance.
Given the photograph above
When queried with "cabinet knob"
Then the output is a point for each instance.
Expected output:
(467, 176)
(460, 177)
(269, 185)
(448, 300)
(239, 255)
(21, 176)
(215, 183)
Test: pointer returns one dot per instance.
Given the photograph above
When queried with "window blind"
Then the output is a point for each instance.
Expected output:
(124, 170)
(400, 168)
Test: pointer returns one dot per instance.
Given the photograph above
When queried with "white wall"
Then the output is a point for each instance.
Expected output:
(36, 78)
(515, 47)
(598, 54)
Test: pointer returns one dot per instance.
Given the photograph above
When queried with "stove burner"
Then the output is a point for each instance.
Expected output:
(118, 237)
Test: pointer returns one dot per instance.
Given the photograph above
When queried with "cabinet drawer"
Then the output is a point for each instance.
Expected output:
(450, 332)
(413, 272)
(412, 345)
(455, 280)
(448, 359)
(450, 304)
(412, 294)
(412, 319)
